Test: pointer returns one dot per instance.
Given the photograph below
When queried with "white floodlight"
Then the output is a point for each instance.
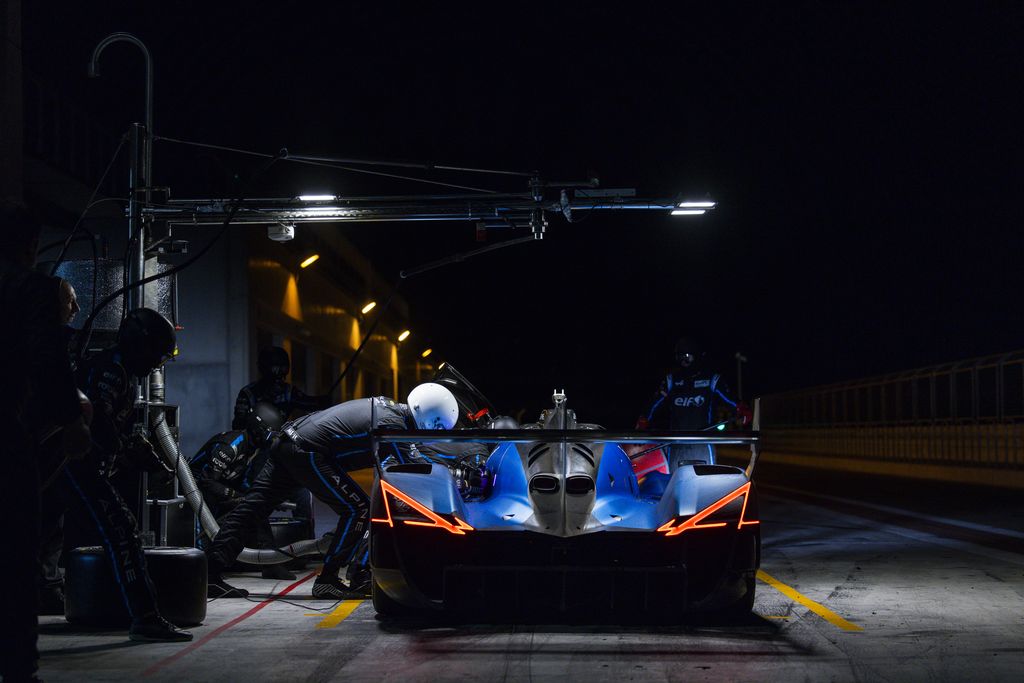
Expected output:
(697, 205)
(317, 197)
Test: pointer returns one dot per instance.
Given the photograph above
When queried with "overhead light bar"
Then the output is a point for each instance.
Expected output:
(309, 261)
(697, 205)
(689, 212)
(405, 335)
(426, 353)
(317, 197)
(368, 307)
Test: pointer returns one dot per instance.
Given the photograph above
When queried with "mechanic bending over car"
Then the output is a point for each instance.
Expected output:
(689, 399)
(317, 451)
(226, 467)
(145, 340)
(271, 387)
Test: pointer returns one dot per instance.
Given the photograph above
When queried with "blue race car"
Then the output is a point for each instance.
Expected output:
(556, 523)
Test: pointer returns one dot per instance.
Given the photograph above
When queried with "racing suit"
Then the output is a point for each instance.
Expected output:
(224, 470)
(317, 451)
(38, 389)
(688, 400)
(281, 394)
(86, 492)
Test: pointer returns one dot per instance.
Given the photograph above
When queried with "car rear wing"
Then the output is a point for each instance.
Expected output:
(379, 437)
(382, 436)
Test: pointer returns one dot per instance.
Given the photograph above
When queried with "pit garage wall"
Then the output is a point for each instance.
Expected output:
(315, 314)
(214, 346)
(959, 422)
(249, 292)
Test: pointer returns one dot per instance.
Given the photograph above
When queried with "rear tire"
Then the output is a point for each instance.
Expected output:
(385, 605)
(741, 609)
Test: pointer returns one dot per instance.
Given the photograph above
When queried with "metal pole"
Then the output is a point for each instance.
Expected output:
(142, 145)
(139, 178)
(136, 231)
(95, 72)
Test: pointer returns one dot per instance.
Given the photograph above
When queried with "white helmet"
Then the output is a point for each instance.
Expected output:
(433, 406)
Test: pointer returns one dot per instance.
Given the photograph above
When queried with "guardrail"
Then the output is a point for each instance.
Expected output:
(960, 421)
(986, 389)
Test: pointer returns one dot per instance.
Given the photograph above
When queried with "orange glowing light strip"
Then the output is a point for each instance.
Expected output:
(459, 528)
(693, 522)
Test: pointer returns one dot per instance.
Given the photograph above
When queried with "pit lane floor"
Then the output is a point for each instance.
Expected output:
(907, 604)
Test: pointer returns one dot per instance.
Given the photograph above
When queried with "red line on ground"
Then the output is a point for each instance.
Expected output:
(223, 627)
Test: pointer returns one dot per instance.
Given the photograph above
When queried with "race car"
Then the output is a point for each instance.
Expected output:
(555, 523)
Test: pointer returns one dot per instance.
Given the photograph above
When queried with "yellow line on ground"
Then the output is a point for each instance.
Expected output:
(340, 613)
(819, 609)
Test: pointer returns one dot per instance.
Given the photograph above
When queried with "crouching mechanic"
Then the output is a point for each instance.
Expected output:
(228, 464)
(145, 341)
(317, 451)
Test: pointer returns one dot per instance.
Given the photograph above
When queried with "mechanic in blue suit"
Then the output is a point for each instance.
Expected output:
(688, 400)
(226, 467)
(145, 341)
(317, 451)
(271, 387)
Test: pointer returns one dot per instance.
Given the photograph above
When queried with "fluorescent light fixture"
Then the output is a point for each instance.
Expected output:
(369, 307)
(404, 335)
(317, 197)
(697, 205)
(426, 353)
(309, 261)
(689, 212)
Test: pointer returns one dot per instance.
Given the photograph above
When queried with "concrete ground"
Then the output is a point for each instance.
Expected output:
(849, 592)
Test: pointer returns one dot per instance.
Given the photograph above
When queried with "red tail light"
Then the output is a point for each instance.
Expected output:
(431, 518)
(669, 528)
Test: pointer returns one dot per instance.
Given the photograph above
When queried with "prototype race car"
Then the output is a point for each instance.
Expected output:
(557, 523)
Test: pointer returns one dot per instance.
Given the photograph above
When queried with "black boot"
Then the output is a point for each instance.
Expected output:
(277, 572)
(333, 588)
(359, 581)
(217, 587)
(153, 628)
(51, 600)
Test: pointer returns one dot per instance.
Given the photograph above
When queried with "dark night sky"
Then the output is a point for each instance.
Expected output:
(866, 157)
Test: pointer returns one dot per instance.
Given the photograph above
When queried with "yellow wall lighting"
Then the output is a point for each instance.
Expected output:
(404, 336)
(369, 307)
(309, 261)
(426, 353)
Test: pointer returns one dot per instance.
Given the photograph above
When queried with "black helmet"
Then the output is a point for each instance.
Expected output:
(687, 351)
(145, 339)
(273, 362)
(263, 419)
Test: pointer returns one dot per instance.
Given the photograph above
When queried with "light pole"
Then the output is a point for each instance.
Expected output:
(740, 360)
(138, 177)
(140, 172)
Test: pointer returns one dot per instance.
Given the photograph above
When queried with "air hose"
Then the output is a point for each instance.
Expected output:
(190, 490)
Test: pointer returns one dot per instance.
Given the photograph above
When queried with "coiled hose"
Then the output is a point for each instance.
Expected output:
(189, 488)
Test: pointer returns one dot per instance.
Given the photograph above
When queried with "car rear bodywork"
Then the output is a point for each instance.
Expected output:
(563, 526)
